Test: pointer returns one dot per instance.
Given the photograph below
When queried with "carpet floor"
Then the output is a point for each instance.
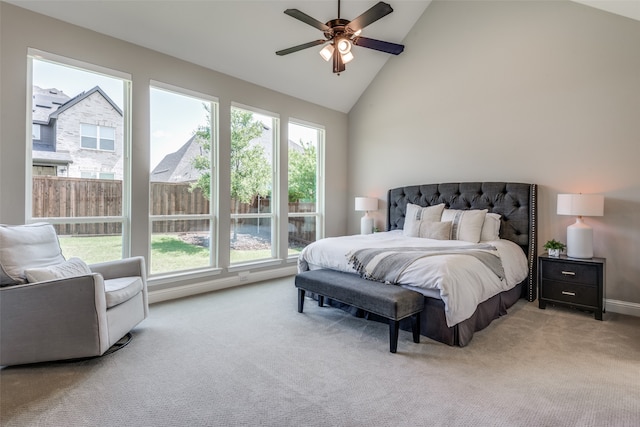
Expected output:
(246, 357)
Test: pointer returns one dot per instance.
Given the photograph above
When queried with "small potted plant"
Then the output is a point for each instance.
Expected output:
(554, 247)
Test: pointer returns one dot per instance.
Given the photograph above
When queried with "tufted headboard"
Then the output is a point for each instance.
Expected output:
(515, 202)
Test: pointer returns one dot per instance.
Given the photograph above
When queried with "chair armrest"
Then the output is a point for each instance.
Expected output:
(53, 320)
(128, 267)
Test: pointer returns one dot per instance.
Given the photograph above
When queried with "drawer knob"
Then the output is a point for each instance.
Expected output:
(573, 294)
(568, 273)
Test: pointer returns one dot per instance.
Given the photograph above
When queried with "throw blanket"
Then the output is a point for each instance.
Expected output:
(386, 265)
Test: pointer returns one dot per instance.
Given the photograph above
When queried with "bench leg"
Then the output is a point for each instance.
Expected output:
(300, 300)
(415, 327)
(394, 327)
(320, 301)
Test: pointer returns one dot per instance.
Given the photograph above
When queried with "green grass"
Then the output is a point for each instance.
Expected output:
(168, 252)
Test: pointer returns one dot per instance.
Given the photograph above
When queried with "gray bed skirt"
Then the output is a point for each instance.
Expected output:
(433, 323)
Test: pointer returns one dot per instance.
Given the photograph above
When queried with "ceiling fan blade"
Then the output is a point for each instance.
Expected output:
(380, 10)
(300, 47)
(387, 47)
(301, 16)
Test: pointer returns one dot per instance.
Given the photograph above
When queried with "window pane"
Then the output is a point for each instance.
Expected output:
(253, 144)
(180, 154)
(95, 242)
(250, 239)
(252, 138)
(180, 181)
(304, 147)
(180, 245)
(302, 231)
(65, 98)
(107, 138)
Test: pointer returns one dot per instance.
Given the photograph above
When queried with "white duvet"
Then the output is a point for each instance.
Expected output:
(461, 281)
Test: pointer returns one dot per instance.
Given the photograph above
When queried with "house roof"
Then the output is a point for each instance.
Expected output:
(45, 102)
(178, 166)
(82, 96)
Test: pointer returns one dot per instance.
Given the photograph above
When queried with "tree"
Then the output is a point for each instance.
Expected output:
(302, 173)
(250, 170)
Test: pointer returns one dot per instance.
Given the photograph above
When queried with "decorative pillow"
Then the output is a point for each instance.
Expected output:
(435, 230)
(415, 214)
(71, 268)
(27, 246)
(465, 224)
(490, 228)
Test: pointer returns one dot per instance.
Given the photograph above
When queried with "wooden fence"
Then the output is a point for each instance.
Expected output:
(79, 197)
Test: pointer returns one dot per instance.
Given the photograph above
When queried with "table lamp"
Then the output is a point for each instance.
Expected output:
(580, 234)
(366, 204)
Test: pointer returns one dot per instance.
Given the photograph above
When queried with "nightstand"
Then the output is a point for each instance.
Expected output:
(572, 282)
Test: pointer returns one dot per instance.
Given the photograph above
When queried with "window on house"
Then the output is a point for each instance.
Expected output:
(182, 191)
(90, 214)
(254, 142)
(97, 137)
(306, 144)
(35, 131)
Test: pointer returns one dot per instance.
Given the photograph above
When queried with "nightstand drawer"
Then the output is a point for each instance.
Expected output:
(571, 272)
(570, 293)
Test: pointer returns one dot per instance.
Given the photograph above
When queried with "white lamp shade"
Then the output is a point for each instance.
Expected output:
(581, 204)
(366, 204)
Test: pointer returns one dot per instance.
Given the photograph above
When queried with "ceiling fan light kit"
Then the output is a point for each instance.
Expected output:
(342, 35)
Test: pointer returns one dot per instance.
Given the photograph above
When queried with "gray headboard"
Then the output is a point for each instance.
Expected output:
(515, 202)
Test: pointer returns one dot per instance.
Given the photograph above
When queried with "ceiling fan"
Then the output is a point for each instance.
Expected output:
(342, 34)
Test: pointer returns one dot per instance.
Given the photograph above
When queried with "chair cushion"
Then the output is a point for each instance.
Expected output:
(27, 246)
(122, 289)
(70, 268)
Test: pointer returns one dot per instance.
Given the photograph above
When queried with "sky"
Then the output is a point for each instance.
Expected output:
(174, 117)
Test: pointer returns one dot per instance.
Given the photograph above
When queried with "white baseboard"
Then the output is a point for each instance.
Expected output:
(622, 307)
(217, 284)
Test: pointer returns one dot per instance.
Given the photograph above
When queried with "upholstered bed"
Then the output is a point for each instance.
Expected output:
(514, 207)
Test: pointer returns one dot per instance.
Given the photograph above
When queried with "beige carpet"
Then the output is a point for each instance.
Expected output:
(246, 357)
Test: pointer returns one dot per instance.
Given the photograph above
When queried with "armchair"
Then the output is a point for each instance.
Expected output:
(77, 311)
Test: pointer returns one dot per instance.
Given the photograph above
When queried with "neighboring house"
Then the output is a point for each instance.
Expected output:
(79, 137)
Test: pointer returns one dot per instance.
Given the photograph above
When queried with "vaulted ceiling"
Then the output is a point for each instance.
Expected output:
(240, 37)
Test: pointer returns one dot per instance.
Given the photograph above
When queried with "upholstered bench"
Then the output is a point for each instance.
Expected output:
(389, 301)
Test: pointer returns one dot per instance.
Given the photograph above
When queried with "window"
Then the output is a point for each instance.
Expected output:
(35, 131)
(97, 137)
(182, 190)
(254, 142)
(305, 145)
(88, 203)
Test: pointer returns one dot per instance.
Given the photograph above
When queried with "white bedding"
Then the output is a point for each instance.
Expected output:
(461, 281)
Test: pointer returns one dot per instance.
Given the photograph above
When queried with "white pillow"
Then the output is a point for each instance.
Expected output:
(465, 224)
(71, 268)
(490, 228)
(27, 246)
(435, 230)
(416, 213)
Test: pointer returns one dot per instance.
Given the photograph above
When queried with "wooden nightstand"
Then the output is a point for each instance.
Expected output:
(572, 282)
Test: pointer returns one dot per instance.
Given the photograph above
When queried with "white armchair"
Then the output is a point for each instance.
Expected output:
(79, 311)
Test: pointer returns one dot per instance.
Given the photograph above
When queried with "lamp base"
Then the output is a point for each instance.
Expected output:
(366, 224)
(579, 240)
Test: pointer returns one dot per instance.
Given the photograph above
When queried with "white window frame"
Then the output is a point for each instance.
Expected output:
(126, 78)
(319, 213)
(275, 192)
(36, 133)
(212, 216)
(98, 137)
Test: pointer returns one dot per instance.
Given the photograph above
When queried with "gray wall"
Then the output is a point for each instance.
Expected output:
(541, 92)
(21, 29)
